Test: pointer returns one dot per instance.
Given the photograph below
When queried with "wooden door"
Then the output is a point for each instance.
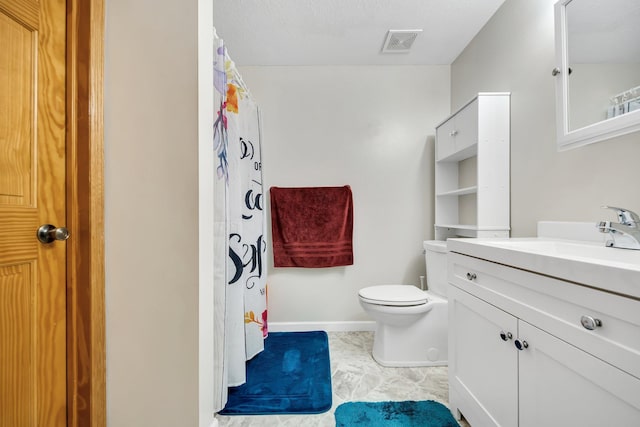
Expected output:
(32, 192)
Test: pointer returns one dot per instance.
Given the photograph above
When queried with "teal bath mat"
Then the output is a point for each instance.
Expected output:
(424, 413)
(291, 376)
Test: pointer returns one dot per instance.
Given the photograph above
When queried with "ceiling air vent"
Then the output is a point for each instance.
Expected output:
(399, 41)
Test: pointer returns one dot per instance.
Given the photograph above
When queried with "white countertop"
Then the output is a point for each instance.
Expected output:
(588, 263)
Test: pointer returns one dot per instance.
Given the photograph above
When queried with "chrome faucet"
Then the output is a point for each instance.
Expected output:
(626, 233)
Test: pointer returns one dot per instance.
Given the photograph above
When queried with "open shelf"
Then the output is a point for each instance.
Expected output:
(463, 154)
(472, 227)
(466, 230)
(459, 192)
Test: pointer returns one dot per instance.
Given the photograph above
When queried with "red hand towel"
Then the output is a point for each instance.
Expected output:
(312, 226)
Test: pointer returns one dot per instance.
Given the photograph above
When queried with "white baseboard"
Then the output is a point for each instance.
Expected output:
(322, 326)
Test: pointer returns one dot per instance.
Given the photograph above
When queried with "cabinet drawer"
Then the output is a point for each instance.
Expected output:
(557, 306)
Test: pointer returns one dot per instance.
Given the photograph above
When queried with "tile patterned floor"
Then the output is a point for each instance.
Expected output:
(357, 377)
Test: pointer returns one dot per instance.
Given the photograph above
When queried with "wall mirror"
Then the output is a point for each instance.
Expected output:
(598, 70)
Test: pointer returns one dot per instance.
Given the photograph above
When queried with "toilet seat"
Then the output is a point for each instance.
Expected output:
(393, 295)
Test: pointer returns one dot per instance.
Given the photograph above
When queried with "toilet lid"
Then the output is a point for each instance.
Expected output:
(393, 295)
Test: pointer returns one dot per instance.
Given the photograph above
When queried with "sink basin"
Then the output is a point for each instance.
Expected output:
(583, 251)
(589, 263)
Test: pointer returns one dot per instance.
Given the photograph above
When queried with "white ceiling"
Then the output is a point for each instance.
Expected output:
(347, 32)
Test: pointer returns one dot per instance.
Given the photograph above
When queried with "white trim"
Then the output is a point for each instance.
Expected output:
(322, 326)
(205, 215)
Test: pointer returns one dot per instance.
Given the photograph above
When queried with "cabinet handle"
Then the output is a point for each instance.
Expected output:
(557, 71)
(521, 345)
(505, 336)
(590, 323)
(453, 133)
(471, 276)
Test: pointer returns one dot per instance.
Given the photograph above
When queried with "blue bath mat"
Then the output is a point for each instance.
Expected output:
(424, 413)
(291, 376)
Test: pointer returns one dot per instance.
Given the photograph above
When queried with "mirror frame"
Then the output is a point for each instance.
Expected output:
(596, 132)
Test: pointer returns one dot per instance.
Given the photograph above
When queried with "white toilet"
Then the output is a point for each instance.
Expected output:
(411, 324)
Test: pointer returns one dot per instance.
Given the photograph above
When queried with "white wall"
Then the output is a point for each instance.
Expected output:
(515, 52)
(151, 213)
(372, 128)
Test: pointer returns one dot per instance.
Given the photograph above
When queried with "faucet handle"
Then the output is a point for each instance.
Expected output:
(625, 216)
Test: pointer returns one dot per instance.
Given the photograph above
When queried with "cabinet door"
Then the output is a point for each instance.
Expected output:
(482, 367)
(466, 126)
(561, 385)
(445, 139)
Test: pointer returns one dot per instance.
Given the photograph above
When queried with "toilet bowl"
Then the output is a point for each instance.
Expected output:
(411, 324)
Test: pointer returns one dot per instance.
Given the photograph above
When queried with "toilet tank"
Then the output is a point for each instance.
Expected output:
(435, 254)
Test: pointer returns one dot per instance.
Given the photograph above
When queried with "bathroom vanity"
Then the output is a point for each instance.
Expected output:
(543, 332)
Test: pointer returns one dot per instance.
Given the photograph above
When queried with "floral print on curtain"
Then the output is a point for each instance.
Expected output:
(238, 159)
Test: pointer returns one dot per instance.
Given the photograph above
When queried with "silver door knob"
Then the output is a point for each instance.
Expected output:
(48, 233)
(590, 323)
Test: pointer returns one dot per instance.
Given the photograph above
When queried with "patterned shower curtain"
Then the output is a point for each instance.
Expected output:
(240, 290)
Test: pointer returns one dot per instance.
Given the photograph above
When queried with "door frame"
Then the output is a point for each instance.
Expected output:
(86, 356)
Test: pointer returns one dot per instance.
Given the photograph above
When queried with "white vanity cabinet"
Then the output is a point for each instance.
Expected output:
(520, 356)
(472, 169)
